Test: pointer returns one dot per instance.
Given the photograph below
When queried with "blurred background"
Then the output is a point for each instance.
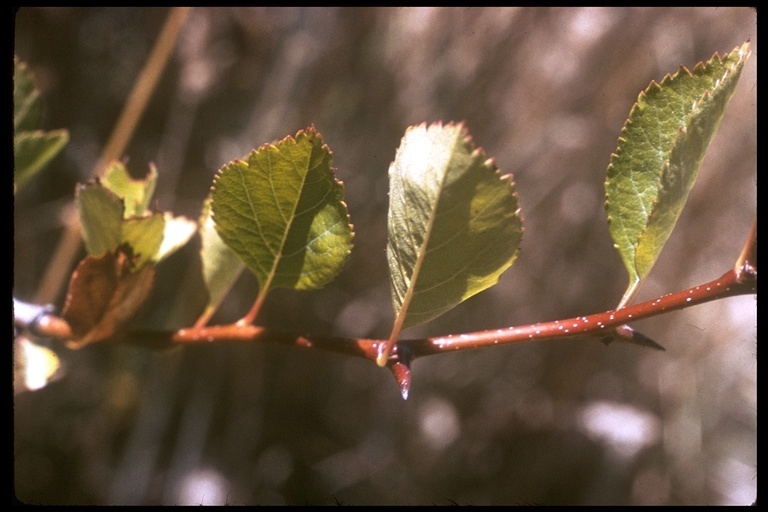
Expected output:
(545, 91)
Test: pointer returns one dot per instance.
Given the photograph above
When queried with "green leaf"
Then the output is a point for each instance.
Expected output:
(101, 218)
(32, 150)
(660, 150)
(145, 236)
(454, 224)
(107, 223)
(221, 265)
(281, 211)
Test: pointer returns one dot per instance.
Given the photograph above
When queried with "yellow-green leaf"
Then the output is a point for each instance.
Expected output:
(657, 160)
(454, 224)
(101, 218)
(145, 236)
(282, 211)
(136, 194)
(108, 223)
(221, 265)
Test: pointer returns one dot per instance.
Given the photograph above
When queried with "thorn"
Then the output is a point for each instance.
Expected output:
(626, 333)
(403, 377)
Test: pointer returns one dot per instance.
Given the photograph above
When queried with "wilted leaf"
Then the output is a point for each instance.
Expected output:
(660, 150)
(454, 224)
(221, 265)
(282, 212)
(104, 294)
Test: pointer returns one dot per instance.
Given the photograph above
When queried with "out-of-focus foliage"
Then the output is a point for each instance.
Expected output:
(546, 92)
(33, 149)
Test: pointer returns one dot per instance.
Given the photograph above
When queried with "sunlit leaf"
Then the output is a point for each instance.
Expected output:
(101, 218)
(657, 160)
(35, 366)
(221, 265)
(454, 224)
(178, 231)
(107, 223)
(136, 194)
(281, 211)
(145, 236)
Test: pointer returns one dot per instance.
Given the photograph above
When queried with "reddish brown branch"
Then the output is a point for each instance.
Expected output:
(607, 326)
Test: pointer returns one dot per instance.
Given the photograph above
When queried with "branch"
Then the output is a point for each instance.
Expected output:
(607, 326)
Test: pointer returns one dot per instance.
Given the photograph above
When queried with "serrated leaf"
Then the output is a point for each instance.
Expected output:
(454, 224)
(136, 194)
(660, 150)
(101, 218)
(281, 211)
(32, 150)
(221, 265)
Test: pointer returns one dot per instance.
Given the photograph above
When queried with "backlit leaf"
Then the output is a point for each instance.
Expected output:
(281, 211)
(136, 194)
(221, 265)
(145, 236)
(107, 223)
(101, 218)
(657, 160)
(454, 224)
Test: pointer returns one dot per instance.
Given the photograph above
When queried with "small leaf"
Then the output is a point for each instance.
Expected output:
(221, 265)
(136, 194)
(104, 294)
(281, 211)
(454, 224)
(108, 224)
(660, 150)
(101, 218)
(145, 236)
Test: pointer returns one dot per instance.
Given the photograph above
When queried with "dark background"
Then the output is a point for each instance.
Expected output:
(545, 91)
